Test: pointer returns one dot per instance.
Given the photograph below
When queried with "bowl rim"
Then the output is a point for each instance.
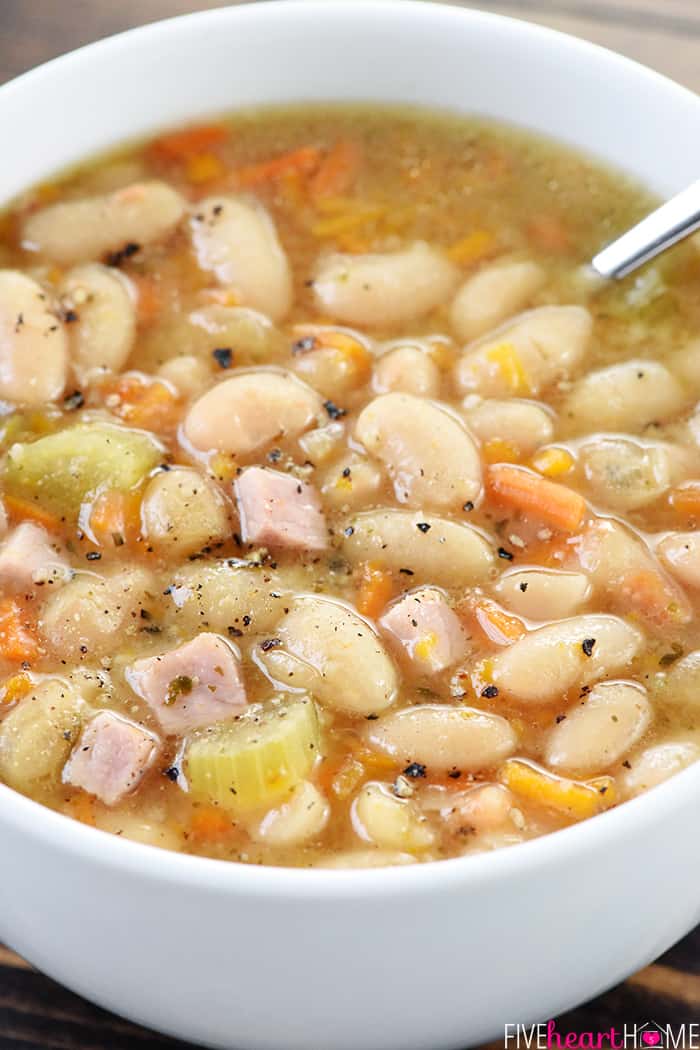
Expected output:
(638, 815)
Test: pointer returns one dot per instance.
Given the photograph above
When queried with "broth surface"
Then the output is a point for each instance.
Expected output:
(346, 521)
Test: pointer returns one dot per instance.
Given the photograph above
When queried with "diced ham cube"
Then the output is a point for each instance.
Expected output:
(111, 757)
(278, 510)
(28, 557)
(195, 685)
(426, 627)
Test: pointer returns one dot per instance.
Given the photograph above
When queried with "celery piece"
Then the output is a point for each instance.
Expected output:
(251, 763)
(63, 469)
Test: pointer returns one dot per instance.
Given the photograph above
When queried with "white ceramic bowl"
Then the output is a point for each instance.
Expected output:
(419, 958)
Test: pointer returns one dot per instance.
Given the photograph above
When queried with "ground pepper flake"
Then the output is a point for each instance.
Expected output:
(587, 646)
(120, 256)
(489, 692)
(223, 355)
(270, 643)
(423, 526)
(506, 555)
(333, 411)
(415, 770)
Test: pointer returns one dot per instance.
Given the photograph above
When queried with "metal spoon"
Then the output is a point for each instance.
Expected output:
(670, 223)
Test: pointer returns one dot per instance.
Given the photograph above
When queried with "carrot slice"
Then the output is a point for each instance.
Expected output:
(181, 145)
(304, 160)
(575, 799)
(149, 300)
(18, 642)
(209, 822)
(337, 171)
(115, 518)
(685, 499)
(375, 590)
(498, 626)
(556, 505)
(143, 402)
(647, 593)
(27, 510)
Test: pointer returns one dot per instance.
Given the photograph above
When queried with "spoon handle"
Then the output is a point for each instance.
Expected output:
(674, 220)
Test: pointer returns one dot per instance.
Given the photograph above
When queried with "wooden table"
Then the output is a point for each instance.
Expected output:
(665, 34)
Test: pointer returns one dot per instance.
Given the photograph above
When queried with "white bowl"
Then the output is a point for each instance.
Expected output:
(418, 958)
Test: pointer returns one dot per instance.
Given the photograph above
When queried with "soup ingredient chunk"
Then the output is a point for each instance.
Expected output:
(29, 558)
(183, 511)
(601, 730)
(493, 295)
(247, 412)
(680, 551)
(429, 455)
(62, 470)
(407, 370)
(427, 629)
(301, 818)
(625, 475)
(390, 822)
(443, 738)
(279, 510)
(101, 304)
(383, 288)
(237, 241)
(627, 396)
(526, 355)
(543, 594)
(225, 597)
(556, 505)
(657, 763)
(196, 684)
(87, 229)
(37, 735)
(547, 662)
(345, 659)
(255, 761)
(522, 425)
(31, 331)
(433, 550)
(111, 757)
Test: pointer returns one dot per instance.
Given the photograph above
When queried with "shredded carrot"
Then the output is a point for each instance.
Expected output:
(27, 510)
(15, 688)
(304, 160)
(18, 641)
(376, 588)
(181, 145)
(685, 499)
(553, 462)
(499, 451)
(115, 518)
(574, 799)
(647, 593)
(82, 807)
(549, 233)
(204, 167)
(337, 171)
(142, 402)
(210, 822)
(477, 245)
(554, 504)
(498, 626)
(149, 302)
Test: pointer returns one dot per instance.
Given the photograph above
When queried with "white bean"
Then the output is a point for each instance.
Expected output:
(389, 822)
(83, 230)
(30, 332)
(445, 553)
(543, 594)
(523, 424)
(444, 738)
(624, 474)
(250, 334)
(680, 687)
(408, 370)
(301, 818)
(547, 662)
(527, 354)
(101, 338)
(336, 643)
(130, 826)
(681, 553)
(657, 763)
(321, 444)
(383, 288)
(183, 511)
(225, 599)
(600, 730)
(188, 374)
(493, 295)
(81, 621)
(487, 807)
(429, 455)
(237, 241)
(366, 858)
(249, 410)
(627, 396)
(355, 489)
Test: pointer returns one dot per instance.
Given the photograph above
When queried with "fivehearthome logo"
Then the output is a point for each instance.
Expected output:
(647, 1035)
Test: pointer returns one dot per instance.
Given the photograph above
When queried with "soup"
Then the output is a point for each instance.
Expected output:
(346, 521)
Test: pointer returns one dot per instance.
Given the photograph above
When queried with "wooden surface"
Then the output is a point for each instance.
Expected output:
(665, 34)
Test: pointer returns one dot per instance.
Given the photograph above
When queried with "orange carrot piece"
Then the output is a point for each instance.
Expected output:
(375, 590)
(556, 505)
(27, 510)
(181, 145)
(149, 299)
(685, 499)
(337, 171)
(304, 160)
(18, 641)
(209, 822)
(498, 626)
(142, 402)
(646, 592)
(15, 688)
(115, 518)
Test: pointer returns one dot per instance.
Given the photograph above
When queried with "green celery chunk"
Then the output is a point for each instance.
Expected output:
(64, 469)
(255, 761)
